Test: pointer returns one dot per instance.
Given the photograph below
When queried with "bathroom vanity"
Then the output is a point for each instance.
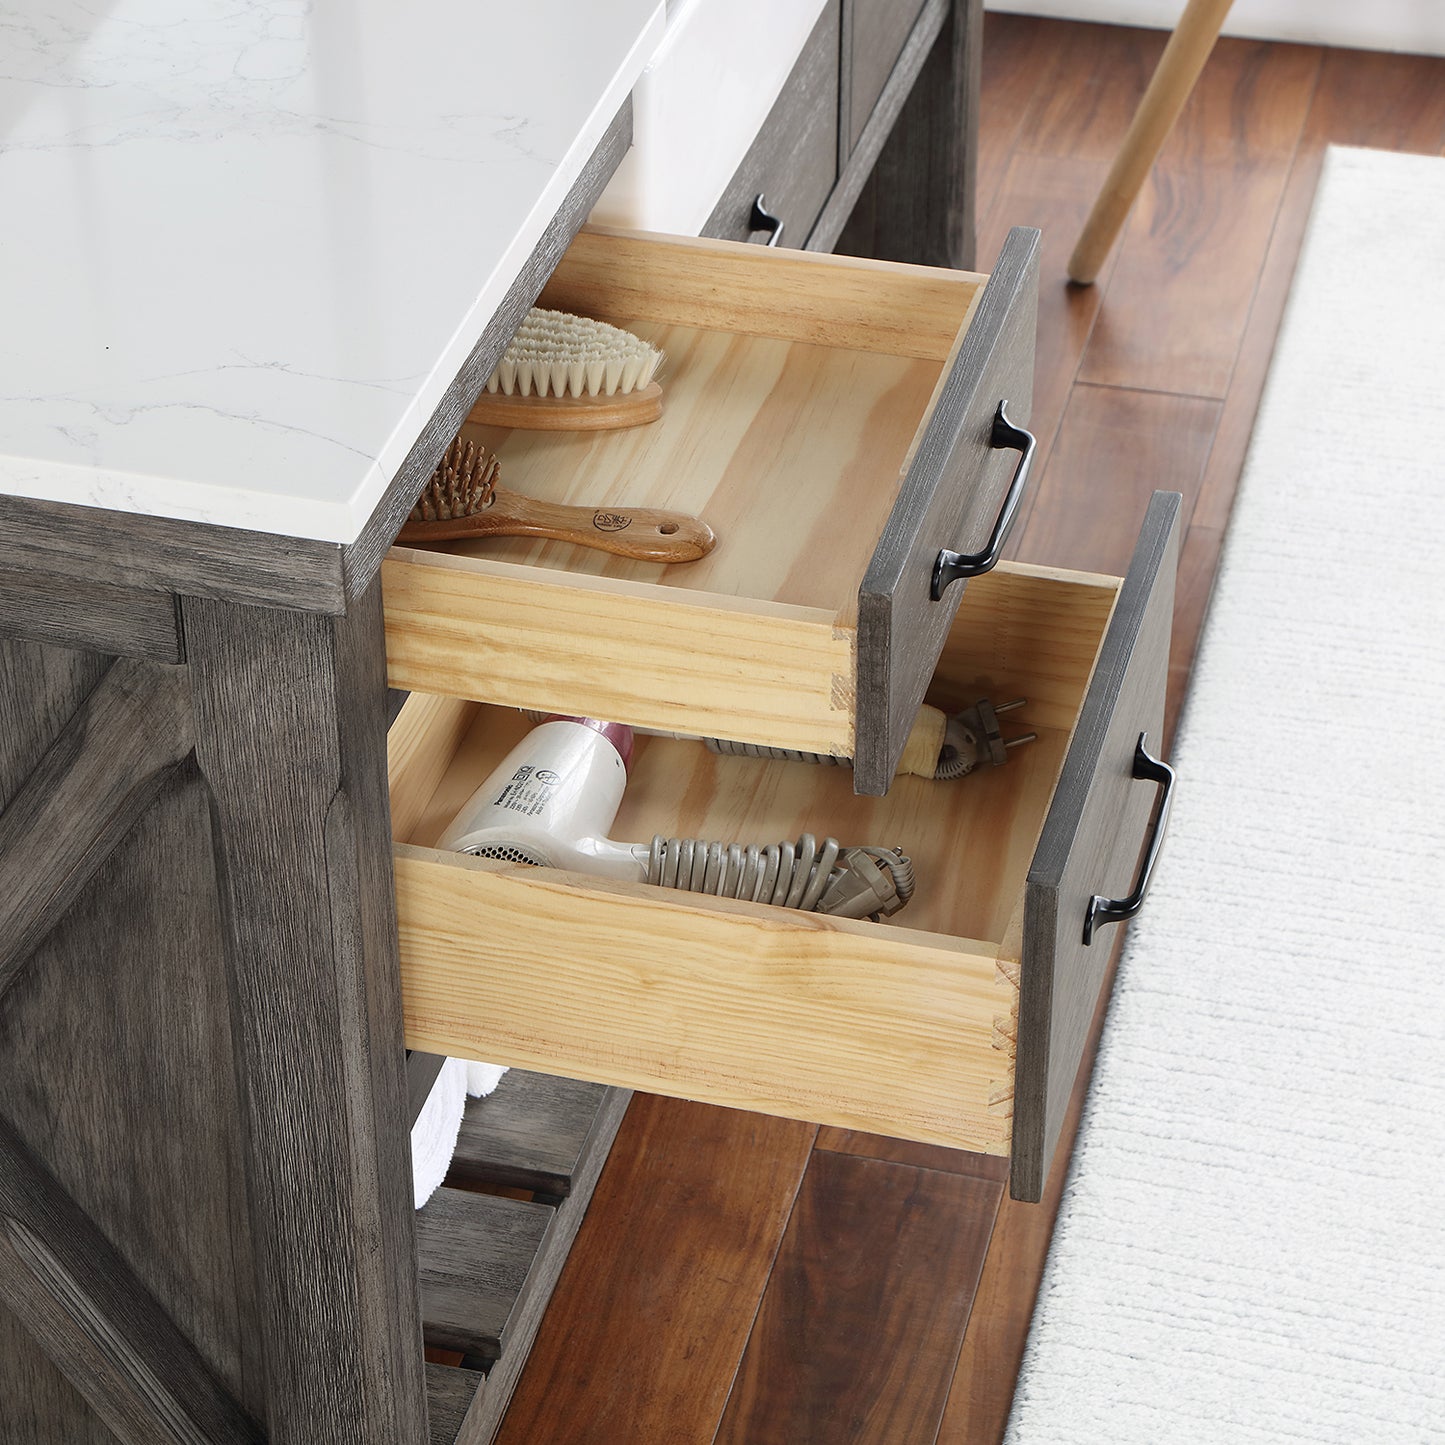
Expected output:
(265, 262)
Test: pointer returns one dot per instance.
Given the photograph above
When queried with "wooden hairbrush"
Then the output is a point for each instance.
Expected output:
(463, 500)
(570, 373)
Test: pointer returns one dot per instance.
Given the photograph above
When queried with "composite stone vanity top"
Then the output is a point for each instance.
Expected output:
(244, 247)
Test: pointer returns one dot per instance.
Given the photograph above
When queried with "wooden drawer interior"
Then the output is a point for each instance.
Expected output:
(905, 1028)
(796, 388)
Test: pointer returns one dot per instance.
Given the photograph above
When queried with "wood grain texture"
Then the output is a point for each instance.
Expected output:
(450, 1392)
(488, 1408)
(1016, 81)
(1123, 445)
(1090, 844)
(363, 558)
(290, 736)
(785, 450)
(862, 1319)
(1184, 57)
(740, 1007)
(115, 1054)
(907, 190)
(97, 1322)
(89, 545)
(849, 302)
(533, 1132)
(120, 621)
(41, 1406)
(653, 1312)
(918, 1156)
(83, 796)
(875, 33)
(794, 160)
(952, 492)
(1052, 195)
(474, 1253)
(1190, 256)
(981, 1393)
(534, 638)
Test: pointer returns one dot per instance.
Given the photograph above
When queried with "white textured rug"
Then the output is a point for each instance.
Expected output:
(1252, 1244)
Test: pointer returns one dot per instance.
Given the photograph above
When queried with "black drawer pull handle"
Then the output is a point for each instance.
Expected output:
(762, 219)
(953, 565)
(1115, 910)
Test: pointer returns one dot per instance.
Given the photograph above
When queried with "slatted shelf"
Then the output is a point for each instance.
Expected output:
(488, 1261)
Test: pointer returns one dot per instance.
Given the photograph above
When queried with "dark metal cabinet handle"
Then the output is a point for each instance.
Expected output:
(950, 566)
(1147, 768)
(762, 219)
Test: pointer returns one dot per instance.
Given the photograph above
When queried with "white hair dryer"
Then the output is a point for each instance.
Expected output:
(553, 798)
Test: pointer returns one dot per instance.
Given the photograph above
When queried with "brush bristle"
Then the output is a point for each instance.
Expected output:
(557, 354)
(461, 486)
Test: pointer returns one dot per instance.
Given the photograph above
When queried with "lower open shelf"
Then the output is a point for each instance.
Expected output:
(492, 1241)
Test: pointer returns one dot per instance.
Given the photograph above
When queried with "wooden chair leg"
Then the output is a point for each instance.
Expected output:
(1173, 80)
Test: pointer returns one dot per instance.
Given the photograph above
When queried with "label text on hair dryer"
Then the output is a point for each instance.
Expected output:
(526, 793)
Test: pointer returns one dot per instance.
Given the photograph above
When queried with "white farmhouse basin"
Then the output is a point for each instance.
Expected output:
(698, 106)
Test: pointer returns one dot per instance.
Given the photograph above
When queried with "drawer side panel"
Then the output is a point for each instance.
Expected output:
(790, 1014)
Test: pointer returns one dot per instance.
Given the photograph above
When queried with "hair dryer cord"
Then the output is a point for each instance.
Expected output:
(861, 882)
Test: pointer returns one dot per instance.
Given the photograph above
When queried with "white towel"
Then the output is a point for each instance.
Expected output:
(434, 1135)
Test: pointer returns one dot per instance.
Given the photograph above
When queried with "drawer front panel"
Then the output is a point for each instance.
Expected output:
(1090, 845)
(794, 160)
(874, 32)
(953, 488)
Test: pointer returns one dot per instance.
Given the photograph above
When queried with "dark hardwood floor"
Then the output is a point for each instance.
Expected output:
(747, 1280)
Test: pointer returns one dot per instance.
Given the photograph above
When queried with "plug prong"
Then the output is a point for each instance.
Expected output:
(1024, 738)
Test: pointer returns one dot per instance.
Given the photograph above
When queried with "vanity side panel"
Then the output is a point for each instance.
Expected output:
(116, 1066)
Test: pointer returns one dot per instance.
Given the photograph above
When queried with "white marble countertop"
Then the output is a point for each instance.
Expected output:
(245, 246)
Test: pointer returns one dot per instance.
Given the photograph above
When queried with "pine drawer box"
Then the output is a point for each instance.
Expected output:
(832, 419)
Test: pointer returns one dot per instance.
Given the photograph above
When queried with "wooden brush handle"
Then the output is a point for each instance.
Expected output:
(647, 534)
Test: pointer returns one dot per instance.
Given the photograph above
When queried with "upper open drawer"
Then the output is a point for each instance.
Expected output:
(832, 419)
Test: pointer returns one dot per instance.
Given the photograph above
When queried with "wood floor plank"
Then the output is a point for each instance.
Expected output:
(1089, 91)
(862, 1320)
(981, 1393)
(1115, 448)
(1020, 51)
(1190, 256)
(1055, 195)
(651, 1316)
(1198, 563)
(1363, 98)
(920, 1156)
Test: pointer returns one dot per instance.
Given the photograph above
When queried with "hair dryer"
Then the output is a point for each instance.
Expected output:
(553, 798)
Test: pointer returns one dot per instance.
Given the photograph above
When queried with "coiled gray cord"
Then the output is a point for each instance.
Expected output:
(728, 749)
(860, 882)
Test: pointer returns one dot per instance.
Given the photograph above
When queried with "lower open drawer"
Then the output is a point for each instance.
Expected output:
(956, 1022)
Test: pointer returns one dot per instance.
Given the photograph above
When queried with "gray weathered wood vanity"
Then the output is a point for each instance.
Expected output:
(206, 1231)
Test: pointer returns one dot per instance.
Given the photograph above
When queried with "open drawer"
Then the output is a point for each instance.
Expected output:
(831, 418)
(908, 1027)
